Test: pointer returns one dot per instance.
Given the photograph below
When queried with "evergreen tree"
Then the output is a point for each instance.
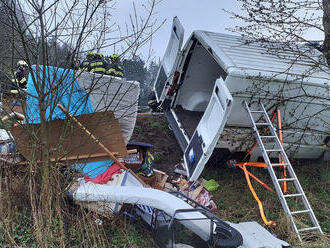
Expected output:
(136, 69)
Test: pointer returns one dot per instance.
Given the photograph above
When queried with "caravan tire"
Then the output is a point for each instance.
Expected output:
(227, 237)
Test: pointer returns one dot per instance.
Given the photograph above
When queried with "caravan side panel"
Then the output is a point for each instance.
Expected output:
(305, 120)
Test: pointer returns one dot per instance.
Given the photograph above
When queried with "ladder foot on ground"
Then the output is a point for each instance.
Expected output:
(278, 148)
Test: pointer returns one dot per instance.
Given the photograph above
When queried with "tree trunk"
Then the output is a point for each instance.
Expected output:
(326, 25)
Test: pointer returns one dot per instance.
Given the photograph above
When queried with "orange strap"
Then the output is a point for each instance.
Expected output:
(261, 209)
(253, 164)
(279, 121)
(258, 180)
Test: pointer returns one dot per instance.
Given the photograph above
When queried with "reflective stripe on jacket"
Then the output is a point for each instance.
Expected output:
(84, 66)
(22, 83)
(116, 69)
(20, 79)
(98, 65)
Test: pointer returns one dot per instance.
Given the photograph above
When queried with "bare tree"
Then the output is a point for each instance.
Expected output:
(285, 21)
(280, 28)
(326, 29)
(50, 35)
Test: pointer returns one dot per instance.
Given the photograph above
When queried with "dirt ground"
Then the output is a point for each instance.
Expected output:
(154, 129)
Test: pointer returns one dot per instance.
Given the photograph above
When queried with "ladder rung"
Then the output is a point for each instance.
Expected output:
(268, 137)
(301, 211)
(286, 179)
(308, 229)
(273, 150)
(256, 111)
(279, 165)
(293, 195)
(262, 124)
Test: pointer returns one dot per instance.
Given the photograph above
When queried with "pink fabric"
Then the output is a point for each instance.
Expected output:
(106, 176)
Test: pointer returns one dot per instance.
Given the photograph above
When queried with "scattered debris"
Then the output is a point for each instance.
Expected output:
(211, 185)
(114, 172)
(181, 172)
(161, 178)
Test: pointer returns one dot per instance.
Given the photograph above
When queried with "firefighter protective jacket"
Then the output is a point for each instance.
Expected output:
(116, 69)
(20, 78)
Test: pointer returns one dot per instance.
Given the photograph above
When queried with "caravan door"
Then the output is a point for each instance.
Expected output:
(208, 131)
(167, 68)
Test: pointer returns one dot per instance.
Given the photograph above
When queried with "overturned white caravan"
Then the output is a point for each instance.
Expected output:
(201, 88)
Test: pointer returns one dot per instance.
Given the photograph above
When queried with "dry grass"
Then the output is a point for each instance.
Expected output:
(233, 198)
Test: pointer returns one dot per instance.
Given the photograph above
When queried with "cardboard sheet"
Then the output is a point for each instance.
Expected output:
(66, 140)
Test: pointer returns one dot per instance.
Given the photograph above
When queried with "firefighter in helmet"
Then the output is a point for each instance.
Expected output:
(95, 63)
(85, 65)
(99, 64)
(116, 68)
(20, 76)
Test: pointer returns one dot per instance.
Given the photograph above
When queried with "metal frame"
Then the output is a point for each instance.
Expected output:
(270, 166)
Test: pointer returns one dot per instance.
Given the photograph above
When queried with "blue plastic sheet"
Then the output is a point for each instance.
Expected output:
(93, 169)
(61, 87)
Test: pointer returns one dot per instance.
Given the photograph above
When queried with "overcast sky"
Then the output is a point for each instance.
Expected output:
(193, 14)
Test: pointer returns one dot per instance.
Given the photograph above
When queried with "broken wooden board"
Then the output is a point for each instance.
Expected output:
(66, 141)
(161, 178)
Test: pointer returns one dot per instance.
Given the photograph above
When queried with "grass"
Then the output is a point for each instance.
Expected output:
(82, 230)
(236, 203)
(233, 198)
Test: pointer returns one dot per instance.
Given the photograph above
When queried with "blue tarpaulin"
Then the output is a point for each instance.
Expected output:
(60, 87)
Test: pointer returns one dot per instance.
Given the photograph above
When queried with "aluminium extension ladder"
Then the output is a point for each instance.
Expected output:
(278, 148)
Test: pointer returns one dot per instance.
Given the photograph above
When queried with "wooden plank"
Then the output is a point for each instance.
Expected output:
(90, 156)
(81, 158)
(65, 139)
(99, 142)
